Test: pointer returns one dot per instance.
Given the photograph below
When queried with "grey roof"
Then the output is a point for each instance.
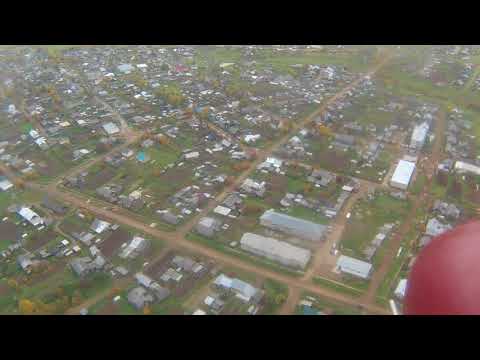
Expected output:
(435, 227)
(170, 218)
(81, 266)
(207, 226)
(99, 226)
(345, 139)
(139, 297)
(111, 128)
(275, 250)
(185, 263)
(303, 229)
(159, 291)
(54, 206)
(246, 290)
(354, 267)
(419, 134)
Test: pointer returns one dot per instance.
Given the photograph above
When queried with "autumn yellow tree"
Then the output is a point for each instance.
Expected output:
(307, 188)
(162, 139)
(241, 166)
(19, 183)
(13, 284)
(324, 130)
(147, 310)
(26, 307)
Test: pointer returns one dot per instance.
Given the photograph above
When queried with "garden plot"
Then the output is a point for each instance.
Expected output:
(368, 217)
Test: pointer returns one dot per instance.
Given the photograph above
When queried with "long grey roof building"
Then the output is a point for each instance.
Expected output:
(290, 225)
(275, 250)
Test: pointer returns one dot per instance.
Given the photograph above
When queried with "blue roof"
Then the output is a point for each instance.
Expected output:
(307, 310)
(141, 156)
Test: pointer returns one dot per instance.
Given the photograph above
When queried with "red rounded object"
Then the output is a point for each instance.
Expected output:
(445, 278)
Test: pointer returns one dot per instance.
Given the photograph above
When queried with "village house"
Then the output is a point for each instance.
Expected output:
(135, 247)
(242, 290)
(208, 226)
(139, 297)
(252, 187)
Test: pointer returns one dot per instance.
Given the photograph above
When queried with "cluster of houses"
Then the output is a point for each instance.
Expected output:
(174, 275)
(224, 289)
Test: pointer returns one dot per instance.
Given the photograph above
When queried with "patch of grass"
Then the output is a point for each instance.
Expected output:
(276, 294)
(336, 286)
(368, 217)
(419, 184)
(308, 214)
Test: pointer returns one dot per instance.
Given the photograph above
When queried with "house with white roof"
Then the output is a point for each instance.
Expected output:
(5, 184)
(31, 216)
(402, 175)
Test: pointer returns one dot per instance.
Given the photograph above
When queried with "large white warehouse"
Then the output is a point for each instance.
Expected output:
(275, 250)
(403, 174)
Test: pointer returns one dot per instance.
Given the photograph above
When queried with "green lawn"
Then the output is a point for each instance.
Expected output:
(367, 217)
(307, 214)
(276, 294)
(419, 184)
(336, 286)
(163, 156)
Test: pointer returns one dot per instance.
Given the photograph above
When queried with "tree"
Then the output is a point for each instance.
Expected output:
(102, 147)
(147, 310)
(324, 130)
(307, 188)
(20, 184)
(162, 139)
(455, 190)
(26, 307)
(13, 284)
(164, 67)
(203, 115)
(241, 166)
(251, 209)
(157, 172)
(229, 180)
(442, 178)
(279, 299)
(32, 175)
(115, 291)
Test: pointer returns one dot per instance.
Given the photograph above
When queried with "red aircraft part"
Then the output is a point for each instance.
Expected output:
(445, 278)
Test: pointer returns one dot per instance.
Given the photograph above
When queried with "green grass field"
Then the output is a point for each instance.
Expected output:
(367, 218)
(336, 286)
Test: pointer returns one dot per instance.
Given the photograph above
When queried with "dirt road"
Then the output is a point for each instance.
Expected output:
(177, 239)
(288, 308)
(422, 199)
(322, 256)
